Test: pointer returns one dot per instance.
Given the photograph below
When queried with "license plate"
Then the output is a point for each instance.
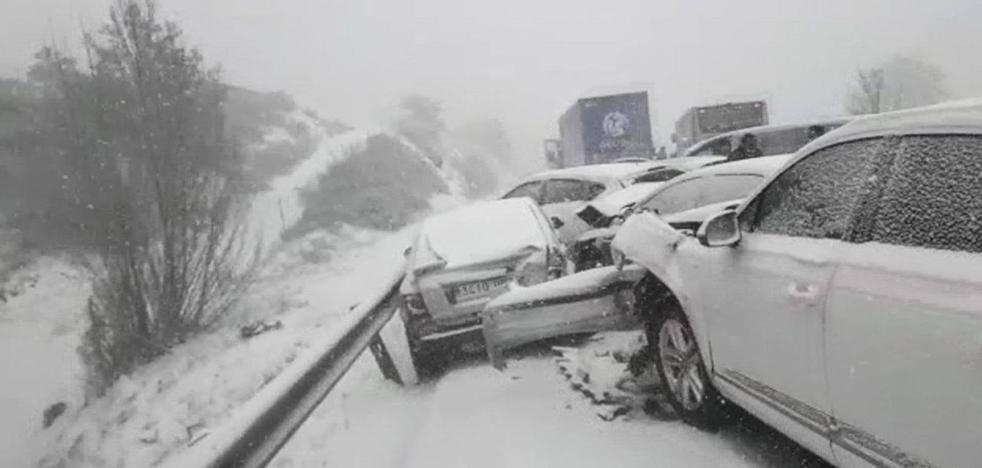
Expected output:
(468, 291)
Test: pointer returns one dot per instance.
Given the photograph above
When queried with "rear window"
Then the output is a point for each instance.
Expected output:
(933, 195)
(567, 190)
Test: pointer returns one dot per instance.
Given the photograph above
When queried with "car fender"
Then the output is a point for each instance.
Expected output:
(647, 240)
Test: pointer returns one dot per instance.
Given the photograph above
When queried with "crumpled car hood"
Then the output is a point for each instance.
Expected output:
(647, 240)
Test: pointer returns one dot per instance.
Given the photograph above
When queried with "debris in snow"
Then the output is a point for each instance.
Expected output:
(150, 435)
(52, 413)
(196, 432)
(605, 370)
(259, 327)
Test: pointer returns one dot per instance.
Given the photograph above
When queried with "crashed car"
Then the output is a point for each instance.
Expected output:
(684, 202)
(839, 299)
(563, 192)
(462, 259)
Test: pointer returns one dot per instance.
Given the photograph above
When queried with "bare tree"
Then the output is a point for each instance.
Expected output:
(143, 137)
(866, 98)
(899, 83)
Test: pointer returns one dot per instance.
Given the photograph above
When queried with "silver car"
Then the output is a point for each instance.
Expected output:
(462, 259)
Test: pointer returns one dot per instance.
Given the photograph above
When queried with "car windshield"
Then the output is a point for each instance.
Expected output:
(469, 233)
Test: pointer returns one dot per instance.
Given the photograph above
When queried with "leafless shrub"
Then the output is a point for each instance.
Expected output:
(158, 186)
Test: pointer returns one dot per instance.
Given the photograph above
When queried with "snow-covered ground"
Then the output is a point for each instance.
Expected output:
(527, 416)
(162, 407)
(40, 316)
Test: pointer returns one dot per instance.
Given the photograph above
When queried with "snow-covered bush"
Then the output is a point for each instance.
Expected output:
(381, 187)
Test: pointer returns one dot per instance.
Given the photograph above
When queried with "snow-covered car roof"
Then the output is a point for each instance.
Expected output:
(480, 232)
(764, 165)
(702, 144)
(691, 162)
(597, 172)
(951, 117)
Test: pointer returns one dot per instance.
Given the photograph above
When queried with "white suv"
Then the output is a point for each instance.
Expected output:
(842, 302)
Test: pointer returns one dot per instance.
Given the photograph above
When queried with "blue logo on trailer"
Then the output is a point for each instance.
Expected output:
(615, 126)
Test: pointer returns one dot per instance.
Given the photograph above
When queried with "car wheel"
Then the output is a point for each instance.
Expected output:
(682, 372)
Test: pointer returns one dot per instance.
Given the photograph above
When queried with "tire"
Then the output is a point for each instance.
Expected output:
(686, 383)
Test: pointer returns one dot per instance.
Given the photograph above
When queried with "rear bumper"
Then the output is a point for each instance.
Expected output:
(430, 334)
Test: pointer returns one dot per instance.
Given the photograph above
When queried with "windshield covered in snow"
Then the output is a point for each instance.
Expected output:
(442, 233)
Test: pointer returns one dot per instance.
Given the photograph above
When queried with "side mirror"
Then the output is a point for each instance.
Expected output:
(556, 222)
(405, 253)
(720, 230)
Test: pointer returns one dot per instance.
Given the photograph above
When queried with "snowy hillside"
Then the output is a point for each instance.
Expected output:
(309, 283)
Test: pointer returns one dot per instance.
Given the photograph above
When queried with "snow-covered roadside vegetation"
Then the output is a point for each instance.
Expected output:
(309, 283)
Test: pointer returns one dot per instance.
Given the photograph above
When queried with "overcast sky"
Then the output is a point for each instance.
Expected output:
(525, 61)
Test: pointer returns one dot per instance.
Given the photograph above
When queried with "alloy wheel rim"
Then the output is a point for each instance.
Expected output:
(680, 361)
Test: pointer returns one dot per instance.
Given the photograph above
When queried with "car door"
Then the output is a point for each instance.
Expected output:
(904, 316)
(763, 299)
(562, 198)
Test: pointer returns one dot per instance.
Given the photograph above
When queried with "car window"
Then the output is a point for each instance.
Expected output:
(701, 191)
(567, 190)
(531, 190)
(932, 195)
(816, 197)
(676, 197)
(661, 175)
(725, 187)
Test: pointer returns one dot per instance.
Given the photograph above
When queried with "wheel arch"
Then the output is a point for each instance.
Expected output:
(654, 291)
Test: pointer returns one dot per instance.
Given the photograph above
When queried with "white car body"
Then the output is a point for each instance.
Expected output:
(605, 179)
(860, 340)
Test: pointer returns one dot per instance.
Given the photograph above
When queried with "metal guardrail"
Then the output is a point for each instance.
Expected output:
(262, 426)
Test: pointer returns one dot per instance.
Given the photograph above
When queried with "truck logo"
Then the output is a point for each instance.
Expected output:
(616, 124)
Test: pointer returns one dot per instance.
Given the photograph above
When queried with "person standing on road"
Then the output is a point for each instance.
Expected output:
(747, 148)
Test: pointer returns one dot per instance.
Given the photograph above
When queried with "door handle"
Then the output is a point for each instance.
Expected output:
(801, 292)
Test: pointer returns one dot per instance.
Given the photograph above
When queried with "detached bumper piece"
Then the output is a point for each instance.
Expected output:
(587, 302)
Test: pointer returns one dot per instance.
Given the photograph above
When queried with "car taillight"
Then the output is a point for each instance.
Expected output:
(414, 304)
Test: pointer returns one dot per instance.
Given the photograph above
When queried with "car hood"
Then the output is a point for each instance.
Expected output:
(647, 240)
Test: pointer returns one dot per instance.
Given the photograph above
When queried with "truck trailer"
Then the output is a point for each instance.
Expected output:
(700, 123)
(602, 129)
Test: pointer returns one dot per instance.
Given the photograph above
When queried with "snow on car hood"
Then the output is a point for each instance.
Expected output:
(648, 240)
(478, 233)
(611, 205)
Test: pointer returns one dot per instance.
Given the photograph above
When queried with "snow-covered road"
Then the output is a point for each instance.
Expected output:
(527, 416)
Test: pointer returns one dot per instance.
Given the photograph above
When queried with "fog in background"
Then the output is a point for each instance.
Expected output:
(525, 61)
